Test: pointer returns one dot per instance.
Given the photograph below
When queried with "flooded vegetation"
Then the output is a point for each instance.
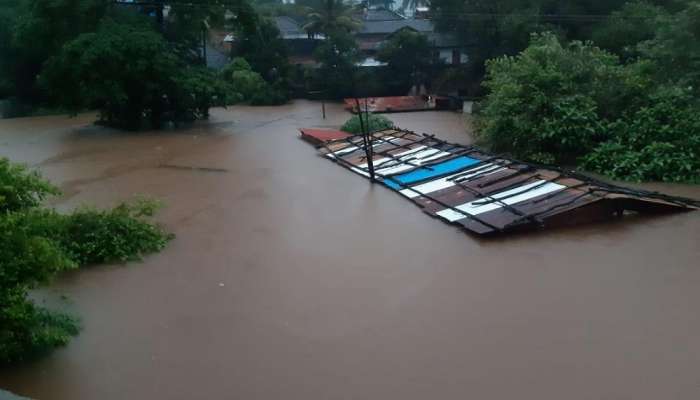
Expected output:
(277, 287)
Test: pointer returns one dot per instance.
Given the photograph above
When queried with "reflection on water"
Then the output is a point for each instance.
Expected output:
(279, 287)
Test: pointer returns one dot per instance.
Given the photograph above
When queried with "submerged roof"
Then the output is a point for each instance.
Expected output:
(487, 194)
(320, 136)
(388, 104)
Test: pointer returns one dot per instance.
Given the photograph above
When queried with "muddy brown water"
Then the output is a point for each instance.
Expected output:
(291, 278)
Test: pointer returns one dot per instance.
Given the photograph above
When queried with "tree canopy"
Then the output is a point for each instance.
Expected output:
(131, 75)
(408, 55)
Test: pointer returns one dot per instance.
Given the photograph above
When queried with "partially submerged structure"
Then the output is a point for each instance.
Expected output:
(391, 104)
(487, 194)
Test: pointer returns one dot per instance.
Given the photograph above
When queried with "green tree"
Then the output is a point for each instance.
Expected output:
(549, 103)
(242, 78)
(575, 103)
(331, 16)
(636, 22)
(188, 23)
(675, 47)
(8, 54)
(265, 50)
(41, 29)
(130, 74)
(492, 28)
(337, 56)
(408, 56)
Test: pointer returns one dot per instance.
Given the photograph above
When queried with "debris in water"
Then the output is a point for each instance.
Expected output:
(487, 194)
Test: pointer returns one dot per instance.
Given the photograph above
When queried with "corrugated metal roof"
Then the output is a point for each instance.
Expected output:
(390, 104)
(381, 14)
(288, 26)
(487, 194)
(319, 136)
(386, 27)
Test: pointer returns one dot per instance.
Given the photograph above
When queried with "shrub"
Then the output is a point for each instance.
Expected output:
(269, 96)
(91, 236)
(658, 142)
(36, 244)
(575, 103)
(27, 260)
(20, 188)
(376, 123)
(27, 331)
(550, 99)
(251, 85)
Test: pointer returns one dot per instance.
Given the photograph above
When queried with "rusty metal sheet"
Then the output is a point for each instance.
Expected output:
(391, 104)
(487, 194)
(319, 136)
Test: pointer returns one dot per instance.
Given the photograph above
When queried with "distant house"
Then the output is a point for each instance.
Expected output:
(290, 29)
(379, 25)
(300, 44)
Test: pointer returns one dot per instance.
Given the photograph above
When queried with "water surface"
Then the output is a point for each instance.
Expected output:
(291, 278)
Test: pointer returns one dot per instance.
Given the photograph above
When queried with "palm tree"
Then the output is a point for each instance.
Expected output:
(331, 15)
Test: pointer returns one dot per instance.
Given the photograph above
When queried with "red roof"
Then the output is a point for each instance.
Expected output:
(320, 136)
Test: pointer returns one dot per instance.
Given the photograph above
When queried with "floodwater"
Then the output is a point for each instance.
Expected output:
(291, 278)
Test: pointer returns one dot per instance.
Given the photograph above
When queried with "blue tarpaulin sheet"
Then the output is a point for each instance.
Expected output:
(436, 170)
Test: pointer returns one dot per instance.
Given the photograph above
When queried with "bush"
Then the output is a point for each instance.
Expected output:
(549, 101)
(90, 236)
(251, 85)
(575, 103)
(28, 331)
(659, 142)
(376, 123)
(36, 244)
(269, 96)
(20, 188)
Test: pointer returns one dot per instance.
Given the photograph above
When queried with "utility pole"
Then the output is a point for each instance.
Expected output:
(367, 138)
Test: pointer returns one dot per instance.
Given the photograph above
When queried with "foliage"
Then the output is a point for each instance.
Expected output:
(242, 77)
(337, 56)
(543, 101)
(39, 32)
(375, 122)
(265, 50)
(634, 23)
(130, 74)
(21, 188)
(659, 142)
(187, 21)
(575, 102)
(90, 236)
(195, 90)
(331, 16)
(36, 244)
(250, 84)
(407, 54)
(8, 14)
(675, 48)
(269, 96)
(27, 331)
